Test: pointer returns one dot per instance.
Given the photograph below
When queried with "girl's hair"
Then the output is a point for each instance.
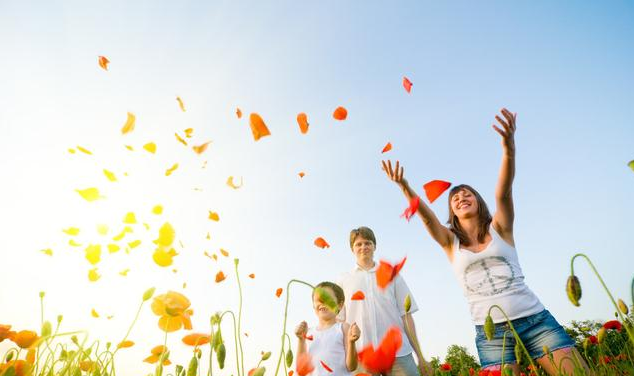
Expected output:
(339, 295)
(364, 232)
(484, 217)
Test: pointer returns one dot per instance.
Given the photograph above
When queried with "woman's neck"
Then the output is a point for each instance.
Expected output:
(471, 226)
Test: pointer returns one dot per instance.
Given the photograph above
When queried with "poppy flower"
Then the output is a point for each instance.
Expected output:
(435, 188)
(304, 364)
(340, 113)
(471, 371)
(278, 292)
(125, 344)
(173, 309)
(5, 332)
(613, 324)
(445, 367)
(407, 84)
(359, 295)
(593, 340)
(157, 352)
(220, 276)
(321, 243)
(196, 339)
(325, 366)
(103, 62)
(258, 127)
(412, 208)
(381, 359)
(387, 148)
(302, 120)
(386, 273)
(25, 338)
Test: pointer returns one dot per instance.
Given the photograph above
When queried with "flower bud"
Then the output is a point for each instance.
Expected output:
(408, 303)
(236, 261)
(489, 327)
(59, 318)
(46, 329)
(518, 353)
(259, 371)
(147, 295)
(289, 358)
(573, 289)
(42, 293)
(221, 353)
(9, 356)
(192, 369)
(266, 355)
(623, 307)
(601, 335)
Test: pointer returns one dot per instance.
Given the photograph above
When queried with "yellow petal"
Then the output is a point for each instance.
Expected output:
(180, 103)
(129, 218)
(93, 275)
(89, 194)
(164, 258)
(73, 243)
(166, 235)
(147, 227)
(110, 175)
(124, 272)
(232, 184)
(208, 236)
(224, 253)
(180, 139)
(214, 216)
(94, 313)
(150, 147)
(201, 148)
(119, 237)
(83, 150)
(184, 284)
(189, 132)
(169, 171)
(102, 229)
(47, 251)
(129, 147)
(93, 253)
(129, 124)
(72, 231)
(112, 248)
(158, 209)
(127, 229)
(134, 244)
(71, 150)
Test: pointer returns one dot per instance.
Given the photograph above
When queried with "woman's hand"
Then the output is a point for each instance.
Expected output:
(396, 174)
(301, 330)
(507, 131)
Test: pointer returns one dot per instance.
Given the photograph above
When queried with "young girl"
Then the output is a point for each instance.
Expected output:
(331, 344)
(481, 250)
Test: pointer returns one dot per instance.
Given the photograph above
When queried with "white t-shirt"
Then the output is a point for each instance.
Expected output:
(493, 276)
(380, 309)
(327, 346)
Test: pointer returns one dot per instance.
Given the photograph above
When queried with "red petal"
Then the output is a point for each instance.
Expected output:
(359, 295)
(308, 337)
(325, 366)
(340, 113)
(387, 147)
(321, 243)
(382, 359)
(302, 120)
(435, 188)
(411, 209)
(386, 273)
(278, 292)
(407, 84)
(304, 364)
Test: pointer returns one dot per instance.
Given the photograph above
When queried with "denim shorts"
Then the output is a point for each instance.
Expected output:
(535, 331)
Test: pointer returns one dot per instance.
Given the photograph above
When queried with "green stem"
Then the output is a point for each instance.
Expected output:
(237, 334)
(605, 287)
(503, 350)
(159, 368)
(211, 349)
(279, 360)
(235, 343)
(136, 317)
(517, 337)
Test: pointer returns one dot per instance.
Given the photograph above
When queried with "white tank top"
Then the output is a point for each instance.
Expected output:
(493, 276)
(327, 346)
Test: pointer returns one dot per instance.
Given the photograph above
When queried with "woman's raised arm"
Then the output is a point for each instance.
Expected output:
(504, 214)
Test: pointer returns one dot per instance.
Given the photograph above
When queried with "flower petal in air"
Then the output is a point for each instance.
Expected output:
(72, 231)
(407, 84)
(84, 150)
(201, 148)
(110, 175)
(89, 194)
(150, 147)
(180, 103)
(412, 208)
(325, 366)
(93, 276)
(47, 251)
(220, 276)
(278, 292)
(232, 184)
(301, 174)
(163, 257)
(103, 62)
(387, 148)
(129, 218)
(304, 364)
(340, 113)
(302, 120)
(381, 359)
(386, 273)
(321, 243)
(435, 188)
(125, 344)
(214, 216)
(224, 253)
(252, 276)
(93, 253)
(157, 210)
(169, 171)
(129, 124)
(238, 113)
(359, 295)
(258, 127)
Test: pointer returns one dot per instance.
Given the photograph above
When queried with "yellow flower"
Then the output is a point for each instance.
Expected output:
(157, 351)
(174, 312)
(25, 338)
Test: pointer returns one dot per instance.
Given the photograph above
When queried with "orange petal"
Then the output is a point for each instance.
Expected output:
(387, 147)
(340, 113)
(302, 120)
(238, 113)
(278, 292)
(196, 339)
(125, 344)
(220, 276)
(103, 62)
(435, 188)
(180, 139)
(201, 148)
(251, 275)
(224, 253)
(214, 216)
(359, 295)
(129, 124)
(407, 84)
(258, 128)
(321, 243)
(301, 174)
(412, 208)
(304, 364)
(158, 350)
(386, 273)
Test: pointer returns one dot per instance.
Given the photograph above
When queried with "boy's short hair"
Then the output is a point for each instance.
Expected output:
(364, 232)
(339, 295)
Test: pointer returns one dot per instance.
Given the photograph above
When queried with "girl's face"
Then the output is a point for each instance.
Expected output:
(464, 204)
(321, 310)
(363, 248)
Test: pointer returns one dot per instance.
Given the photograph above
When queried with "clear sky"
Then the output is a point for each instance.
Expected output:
(564, 67)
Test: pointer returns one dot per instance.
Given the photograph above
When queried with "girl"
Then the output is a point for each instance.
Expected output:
(481, 250)
(331, 343)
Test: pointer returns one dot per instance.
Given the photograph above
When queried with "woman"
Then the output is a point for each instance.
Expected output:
(481, 250)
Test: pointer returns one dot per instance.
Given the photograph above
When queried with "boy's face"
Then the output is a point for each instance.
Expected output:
(363, 249)
(321, 310)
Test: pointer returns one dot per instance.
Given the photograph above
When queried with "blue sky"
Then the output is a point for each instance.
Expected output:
(565, 68)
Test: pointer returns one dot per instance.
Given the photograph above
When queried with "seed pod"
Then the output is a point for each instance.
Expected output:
(546, 350)
(147, 295)
(59, 318)
(289, 358)
(193, 367)
(46, 329)
(266, 355)
(217, 340)
(179, 369)
(221, 353)
(573, 289)
(623, 307)
(518, 353)
(259, 371)
(9, 357)
(489, 328)
(408, 303)
(601, 335)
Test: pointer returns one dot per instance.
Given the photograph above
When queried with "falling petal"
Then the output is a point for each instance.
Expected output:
(94, 313)
(325, 366)
(180, 139)
(201, 148)
(386, 273)
(321, 243)
(93, 276)
(93, 253)
(435, 188)
(340, 113)
(103, 62)
(631, 165)
(150, 147)
(128, 229)
(166, 235)
(407, 84)
(224, 253)
(387, 147)
(215, 256)
(73, 243)
(214, 216)
(238, 113)
(83, 150)
(102, 229)
(72, 151)
(252, 276)
(412, 208)
(89, 194)
(125, 344)
(129, 218)
(381, 359)
(208, 237)
(129, 147)
(47, 251)
(163, 257)
(359, 295)
(134, 244)
(119, 236)
(124, 272)
(302, 120)
(220, 276)
(232, 184)
(301, 174)
(180, 103)
(278, 292)
(258, 127)
(169, 171)
(129, 124)
(157, 209)
(72, 231)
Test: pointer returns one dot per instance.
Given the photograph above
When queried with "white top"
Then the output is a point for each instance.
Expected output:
(327, 346)
(380, 309)
(493, 276)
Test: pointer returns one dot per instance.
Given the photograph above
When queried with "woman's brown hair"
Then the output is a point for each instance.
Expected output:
(484, 217)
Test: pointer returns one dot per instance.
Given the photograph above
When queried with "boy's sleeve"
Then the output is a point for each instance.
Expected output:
(401, 291)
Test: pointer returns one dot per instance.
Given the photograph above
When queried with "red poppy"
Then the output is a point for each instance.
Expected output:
(593, 340)
(381, 359)
(407, 84)
(325, 366)
(445, 367)
(304, 364)
(471, 371)
(386, 273)
(435, 188)
(614, 324)
(359, 295)
(412, 208)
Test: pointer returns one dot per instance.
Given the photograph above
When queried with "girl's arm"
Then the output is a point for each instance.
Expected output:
(300, 332)
(351, 334)
(440, 233)
(504, 214)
